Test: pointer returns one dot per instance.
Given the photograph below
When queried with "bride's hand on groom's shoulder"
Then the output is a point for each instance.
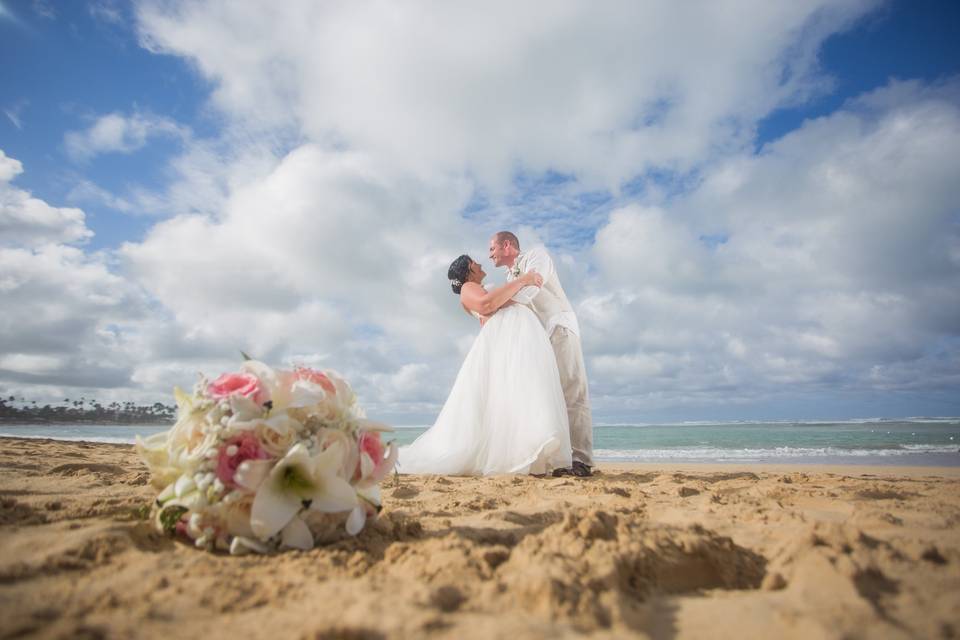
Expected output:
(532, 278)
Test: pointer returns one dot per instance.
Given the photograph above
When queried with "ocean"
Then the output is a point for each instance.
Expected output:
(904, 442)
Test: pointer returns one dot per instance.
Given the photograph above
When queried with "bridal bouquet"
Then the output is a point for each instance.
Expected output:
(258, 456)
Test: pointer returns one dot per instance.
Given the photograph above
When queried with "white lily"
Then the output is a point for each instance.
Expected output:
(372, 474)
(298, 478)
(241, 545)
(304, 393)
(182, 448)
(283, 427)
(356, 520)
(297, 534)
(156, 454)
(276, 381)
(244, 410)
(337, 405)
(328, 438)
(369, 504)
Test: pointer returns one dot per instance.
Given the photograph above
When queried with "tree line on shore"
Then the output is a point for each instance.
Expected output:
(13, 409)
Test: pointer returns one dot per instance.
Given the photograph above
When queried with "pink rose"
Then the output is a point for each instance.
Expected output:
(305, 373)
(370, 444)
(235, 452)
(244, 384)
(181, 528)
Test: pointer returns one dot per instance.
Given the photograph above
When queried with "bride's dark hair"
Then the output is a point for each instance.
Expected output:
(458, 272)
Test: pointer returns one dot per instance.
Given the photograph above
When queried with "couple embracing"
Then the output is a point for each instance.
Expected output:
(520, 402)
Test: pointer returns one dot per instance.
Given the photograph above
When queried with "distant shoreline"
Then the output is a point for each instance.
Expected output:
(106, 423)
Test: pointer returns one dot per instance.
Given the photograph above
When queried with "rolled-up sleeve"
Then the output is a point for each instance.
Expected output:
(535, 260)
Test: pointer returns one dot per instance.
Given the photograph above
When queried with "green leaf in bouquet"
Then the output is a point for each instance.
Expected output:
(170, 516)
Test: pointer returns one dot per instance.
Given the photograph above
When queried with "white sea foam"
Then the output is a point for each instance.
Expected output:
(717, 453)
(781, 423)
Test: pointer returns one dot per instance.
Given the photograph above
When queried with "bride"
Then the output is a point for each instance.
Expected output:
(505, 413)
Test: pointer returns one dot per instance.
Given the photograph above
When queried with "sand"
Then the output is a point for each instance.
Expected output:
(636, 551)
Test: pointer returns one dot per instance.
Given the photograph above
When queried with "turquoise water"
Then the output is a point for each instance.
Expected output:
(921, 441)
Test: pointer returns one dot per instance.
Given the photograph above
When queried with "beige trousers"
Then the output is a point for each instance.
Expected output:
(573, 379)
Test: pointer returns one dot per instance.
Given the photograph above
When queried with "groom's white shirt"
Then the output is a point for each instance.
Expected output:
(549, 302)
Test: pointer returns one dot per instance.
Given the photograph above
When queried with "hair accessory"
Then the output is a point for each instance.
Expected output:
(456, 283)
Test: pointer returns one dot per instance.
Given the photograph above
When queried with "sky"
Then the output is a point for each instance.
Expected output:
(752, 206)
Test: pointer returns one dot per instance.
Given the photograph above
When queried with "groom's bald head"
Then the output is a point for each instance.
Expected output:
(504, 248)
(506, 236)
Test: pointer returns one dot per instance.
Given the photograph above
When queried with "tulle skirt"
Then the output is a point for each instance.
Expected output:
(505, 413)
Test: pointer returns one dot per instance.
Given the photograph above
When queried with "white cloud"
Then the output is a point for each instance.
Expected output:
(119, 133)
(106, 11)
(31, 364)
(839, 263)
(67, 317)
(87, 192)
(25, 220)
(657, 250)
(13, 113)
(10, 168)
(62, 305)
(603, 94)
(322, 244)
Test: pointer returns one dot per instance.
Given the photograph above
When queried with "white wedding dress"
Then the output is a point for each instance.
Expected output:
(505, 413)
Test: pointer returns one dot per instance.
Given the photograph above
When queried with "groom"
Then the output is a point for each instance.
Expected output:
(550, 304)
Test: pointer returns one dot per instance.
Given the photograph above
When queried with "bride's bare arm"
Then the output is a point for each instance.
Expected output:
(476, 298)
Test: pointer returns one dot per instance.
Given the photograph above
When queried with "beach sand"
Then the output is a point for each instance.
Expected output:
(658, 551)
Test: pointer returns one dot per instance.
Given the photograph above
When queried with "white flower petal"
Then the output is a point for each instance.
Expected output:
(276, 382)
(333, 495)
(304, 393)
(338, 445)
(244, 410)
(183, 399)
(386, 467)
(358, 517)
(371, 494)
(272, 509)
(155, 444)
(367, 465)
(297, 535)
(264, 372)
(275, 503)
(283, 424)
(241, 545)
(331, 458)
(184, 485)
